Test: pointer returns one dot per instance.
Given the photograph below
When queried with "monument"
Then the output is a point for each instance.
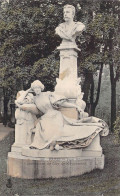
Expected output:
(68, 54)
(64, 141)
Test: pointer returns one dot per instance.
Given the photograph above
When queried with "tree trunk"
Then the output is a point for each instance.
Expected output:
(89, 88)
(113, 105)
(6, 100)
(92, 109)
(86, 90)
(113, 97)
(112, 80)
(98, 90)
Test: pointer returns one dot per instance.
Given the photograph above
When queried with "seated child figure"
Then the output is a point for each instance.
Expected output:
(25, 120)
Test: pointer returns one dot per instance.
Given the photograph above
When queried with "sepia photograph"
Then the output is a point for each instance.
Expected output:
(60, 97)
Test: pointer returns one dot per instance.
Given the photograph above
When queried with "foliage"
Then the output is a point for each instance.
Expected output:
(117, 130)
(24, 40)
(47, 69)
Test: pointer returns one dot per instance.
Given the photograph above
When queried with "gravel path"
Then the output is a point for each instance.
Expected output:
(97, 183)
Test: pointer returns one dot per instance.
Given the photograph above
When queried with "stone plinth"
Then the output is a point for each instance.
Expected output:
(51, 167)
(20, 134)
(68, 82)
(68, 63)
(47, 153)
(37, 164)
(16, 147)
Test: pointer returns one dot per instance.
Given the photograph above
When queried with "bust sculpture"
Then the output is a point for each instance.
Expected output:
(69, 29)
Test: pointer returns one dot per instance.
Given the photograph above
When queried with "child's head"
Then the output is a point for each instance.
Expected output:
(19, 94)
(29, 98)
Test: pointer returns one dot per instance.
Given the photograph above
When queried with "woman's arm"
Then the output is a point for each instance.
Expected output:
(29, 108)
(71, 105)
(60, 101)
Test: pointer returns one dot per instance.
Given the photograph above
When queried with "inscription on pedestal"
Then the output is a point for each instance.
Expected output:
(25, 167)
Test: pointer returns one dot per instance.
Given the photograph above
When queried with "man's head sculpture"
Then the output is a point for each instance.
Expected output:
(69, 29)
(69, 10)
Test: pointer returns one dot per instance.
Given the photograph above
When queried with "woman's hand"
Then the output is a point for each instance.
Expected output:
(81, 112)
(79, 109)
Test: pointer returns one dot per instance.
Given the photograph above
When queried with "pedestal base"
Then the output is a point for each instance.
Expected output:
(51, 167)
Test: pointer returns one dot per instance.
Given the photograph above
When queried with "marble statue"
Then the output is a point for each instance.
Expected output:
(54, 136)
(24, 119)
(69, 29)
(55, 128)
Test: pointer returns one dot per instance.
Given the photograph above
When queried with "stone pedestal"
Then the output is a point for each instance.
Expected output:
(68, 83)
(20, 134)
(68, 63)
(37, 164)
(20, 166)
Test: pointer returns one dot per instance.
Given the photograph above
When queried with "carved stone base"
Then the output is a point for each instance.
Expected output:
(37, 168)
(16, 147)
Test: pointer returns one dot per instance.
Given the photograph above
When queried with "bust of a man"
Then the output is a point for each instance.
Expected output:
(69, 29)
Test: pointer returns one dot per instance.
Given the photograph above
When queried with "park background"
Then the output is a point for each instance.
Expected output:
(28, 52)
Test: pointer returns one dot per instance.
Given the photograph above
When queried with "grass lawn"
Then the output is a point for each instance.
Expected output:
(104, 182)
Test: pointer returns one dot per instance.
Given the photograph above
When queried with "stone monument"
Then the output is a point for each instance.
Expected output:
(68, 54)
(59, 143)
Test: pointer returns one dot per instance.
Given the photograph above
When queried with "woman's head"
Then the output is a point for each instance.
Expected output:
(37, 86)
(37, 83)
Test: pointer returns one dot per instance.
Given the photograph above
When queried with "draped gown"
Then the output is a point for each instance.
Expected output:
(54, 126)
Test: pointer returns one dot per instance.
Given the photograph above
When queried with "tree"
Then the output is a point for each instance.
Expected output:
(112, 45)
(92, 57)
